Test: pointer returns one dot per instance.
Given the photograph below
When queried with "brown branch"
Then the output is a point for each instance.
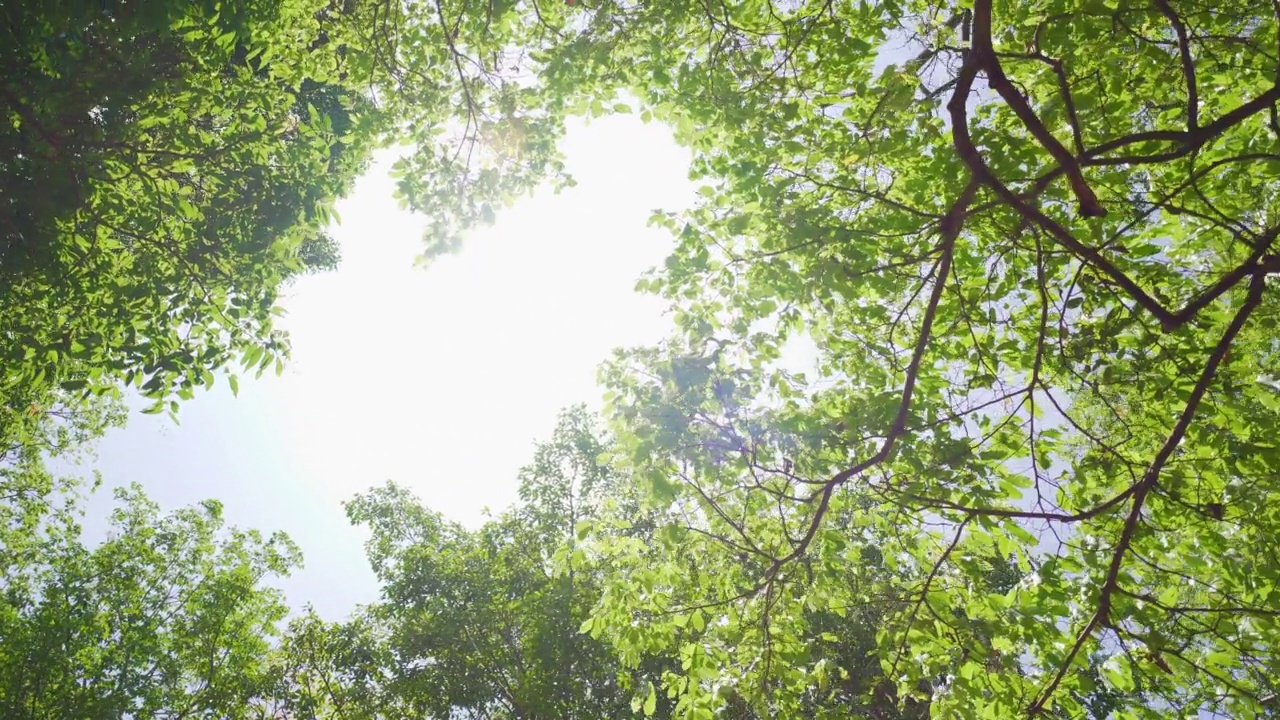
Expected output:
(1226, 680)
(456, 56)
(960, 137)
(968, 152)
(880, 197)
(738, 528)
(951, 225)
(1183, 609)
(1188, 64)
(1169, 320)
(1064, 89)
(984, 56)
(924, 591)
(1188, 141)
(1066, 518)
(1229, 280)
(1102, 616)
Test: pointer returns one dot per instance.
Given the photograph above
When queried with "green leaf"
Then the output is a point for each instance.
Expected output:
(1118, 674)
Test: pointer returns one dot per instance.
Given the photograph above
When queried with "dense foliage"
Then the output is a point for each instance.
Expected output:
(165, 618)
(164, 167)
(1029, 246)
(170, 616)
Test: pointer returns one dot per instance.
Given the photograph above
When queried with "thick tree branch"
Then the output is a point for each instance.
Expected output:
(1187, 141)
(1169, 320)
(985, 57)
(1064, 89)
(1182, 609)
(1011, 513)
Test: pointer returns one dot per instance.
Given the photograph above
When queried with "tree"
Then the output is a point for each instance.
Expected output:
(1030, 245)
(332, 670)
(166, 618)
(570, 605)
(165, 166)
(485, 623)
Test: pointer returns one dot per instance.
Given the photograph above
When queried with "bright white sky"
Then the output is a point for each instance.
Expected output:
(440, 378)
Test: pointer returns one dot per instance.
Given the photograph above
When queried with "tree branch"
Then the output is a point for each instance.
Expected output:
(1188, 64)
(1102, 616)
(984, 56)
(951, 225)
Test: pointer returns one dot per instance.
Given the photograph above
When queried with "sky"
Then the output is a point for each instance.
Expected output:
(439, 378)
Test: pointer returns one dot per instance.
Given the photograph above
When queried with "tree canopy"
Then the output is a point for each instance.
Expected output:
(164, 164)
(165, 618)
(1029, 248)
